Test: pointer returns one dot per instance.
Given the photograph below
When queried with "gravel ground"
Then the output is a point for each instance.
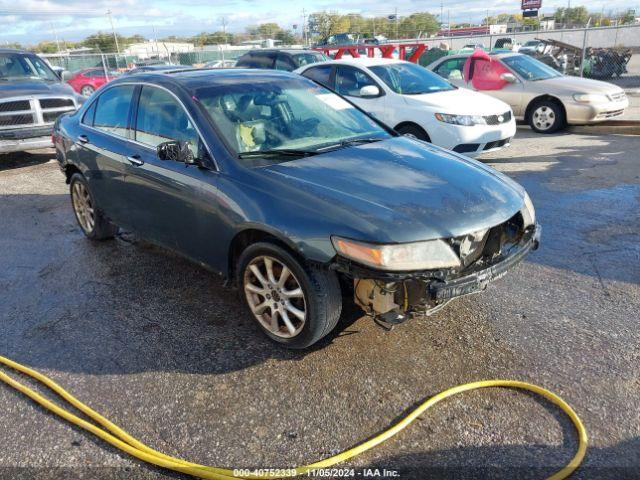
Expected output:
(160, 347)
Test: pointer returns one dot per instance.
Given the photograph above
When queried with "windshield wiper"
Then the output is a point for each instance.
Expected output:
(351, 142)
(285, 152)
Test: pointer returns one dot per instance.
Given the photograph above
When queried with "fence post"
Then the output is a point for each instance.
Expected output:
(104, 67)
(584, 50)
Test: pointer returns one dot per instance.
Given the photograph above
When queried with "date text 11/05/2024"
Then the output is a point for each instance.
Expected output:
(319, 473)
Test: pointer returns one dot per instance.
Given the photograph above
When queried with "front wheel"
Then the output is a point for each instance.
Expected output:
(87, 90)
(413, 131)
(89, 217)
(547, 116)
(294, 304)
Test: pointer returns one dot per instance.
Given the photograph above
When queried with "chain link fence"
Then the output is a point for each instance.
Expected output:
(603, 53)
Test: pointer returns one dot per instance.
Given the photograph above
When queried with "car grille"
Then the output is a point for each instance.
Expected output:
(33, 111)
(497, 144)
(15, 106)
(610, 114)
(617, 97)
(498, 119)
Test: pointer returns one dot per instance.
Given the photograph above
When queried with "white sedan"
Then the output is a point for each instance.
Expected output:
(415, 101)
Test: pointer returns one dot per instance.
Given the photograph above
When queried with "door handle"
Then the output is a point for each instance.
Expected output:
(83, 139)
(135, 160)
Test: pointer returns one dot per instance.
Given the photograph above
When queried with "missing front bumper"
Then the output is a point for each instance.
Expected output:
(424, 292)
(478, 281)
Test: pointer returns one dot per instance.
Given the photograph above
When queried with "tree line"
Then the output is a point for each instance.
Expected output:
(321, 25)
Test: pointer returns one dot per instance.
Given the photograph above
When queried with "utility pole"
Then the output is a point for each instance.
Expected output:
(223, 21)
(55, 35)
(115, 37)
(396, 15)
(304, 27)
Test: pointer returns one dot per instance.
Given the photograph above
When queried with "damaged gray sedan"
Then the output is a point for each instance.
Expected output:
(293, 194)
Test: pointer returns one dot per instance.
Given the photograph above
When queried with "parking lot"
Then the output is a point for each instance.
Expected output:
(163, 349)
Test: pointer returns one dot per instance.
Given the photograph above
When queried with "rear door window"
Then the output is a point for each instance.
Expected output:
(258, 60)
(451, 69)
(112, 110)
(320, 74)
(284, 62)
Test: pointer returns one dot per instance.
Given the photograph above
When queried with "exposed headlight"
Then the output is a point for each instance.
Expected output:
(528, 212)
(399, 257)
(590, 98)
(466, 120)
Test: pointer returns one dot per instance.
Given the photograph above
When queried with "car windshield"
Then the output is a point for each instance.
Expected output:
(277, 117)
(303, 59)
(531, 43)
(18, 66)
(529, 68)
(410, 79)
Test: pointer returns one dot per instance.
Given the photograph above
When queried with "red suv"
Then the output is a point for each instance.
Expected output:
(89, 80)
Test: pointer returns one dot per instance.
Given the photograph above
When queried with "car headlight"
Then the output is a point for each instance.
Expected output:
(425, 255)
(465, 120)
(590, 98)
(528, 212)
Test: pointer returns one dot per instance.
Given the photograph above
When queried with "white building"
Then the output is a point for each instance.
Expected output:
(157, 49)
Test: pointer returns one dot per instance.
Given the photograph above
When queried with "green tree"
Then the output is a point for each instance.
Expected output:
(325, 24)
(628, 18)
(572, 16)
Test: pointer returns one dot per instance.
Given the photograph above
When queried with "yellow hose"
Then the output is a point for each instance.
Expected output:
(120, 439)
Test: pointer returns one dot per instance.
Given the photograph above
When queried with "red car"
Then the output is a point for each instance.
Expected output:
(89, 80)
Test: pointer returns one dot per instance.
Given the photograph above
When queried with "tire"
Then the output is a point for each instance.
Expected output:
(320, 300)
(87, 90)
(88, 215)
(412, 130)
(546, 116)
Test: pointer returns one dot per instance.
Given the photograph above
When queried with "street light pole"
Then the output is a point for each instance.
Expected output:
(115, 37)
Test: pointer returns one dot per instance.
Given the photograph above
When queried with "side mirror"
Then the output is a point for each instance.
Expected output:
(509, 77)
(65, 75)
(176, 151)
(369, 91)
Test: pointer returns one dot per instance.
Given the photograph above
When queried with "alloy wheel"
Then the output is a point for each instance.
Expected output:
(275, 296)
(87, 90)
(83, 207)
(544, 118)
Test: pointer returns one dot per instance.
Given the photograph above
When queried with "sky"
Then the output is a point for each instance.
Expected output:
(36, 20)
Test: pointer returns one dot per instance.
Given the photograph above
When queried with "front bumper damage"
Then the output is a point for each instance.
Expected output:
(396, 296)
(477, 281)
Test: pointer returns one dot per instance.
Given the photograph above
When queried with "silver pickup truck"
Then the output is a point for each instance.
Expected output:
(32, 97)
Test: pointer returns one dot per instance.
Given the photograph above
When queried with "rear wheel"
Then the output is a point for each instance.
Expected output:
(412, 130)
(89, 217)
(294, 304)
(547, 116)
(87, 90)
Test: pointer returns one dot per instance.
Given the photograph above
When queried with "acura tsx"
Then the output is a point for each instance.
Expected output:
(293, 194)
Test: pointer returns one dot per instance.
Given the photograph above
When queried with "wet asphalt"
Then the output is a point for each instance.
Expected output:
(163, 349)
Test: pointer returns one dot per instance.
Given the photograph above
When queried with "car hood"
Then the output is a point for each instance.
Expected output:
(570, 85)
(20, 88)
(461, 101)
(400, 190)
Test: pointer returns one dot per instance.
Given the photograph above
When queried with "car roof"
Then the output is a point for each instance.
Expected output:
(15, 50)
(282, 50)
(361, 61)
(195, 78)
(467, 55)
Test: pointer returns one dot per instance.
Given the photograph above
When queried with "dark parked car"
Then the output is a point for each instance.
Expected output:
(291, 192)
(279, 59)
(32, 96)
(156, 68)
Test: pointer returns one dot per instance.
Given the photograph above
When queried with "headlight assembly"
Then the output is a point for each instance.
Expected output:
(465, 120)
(590, 98)
(425, 255)
(528, 212)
